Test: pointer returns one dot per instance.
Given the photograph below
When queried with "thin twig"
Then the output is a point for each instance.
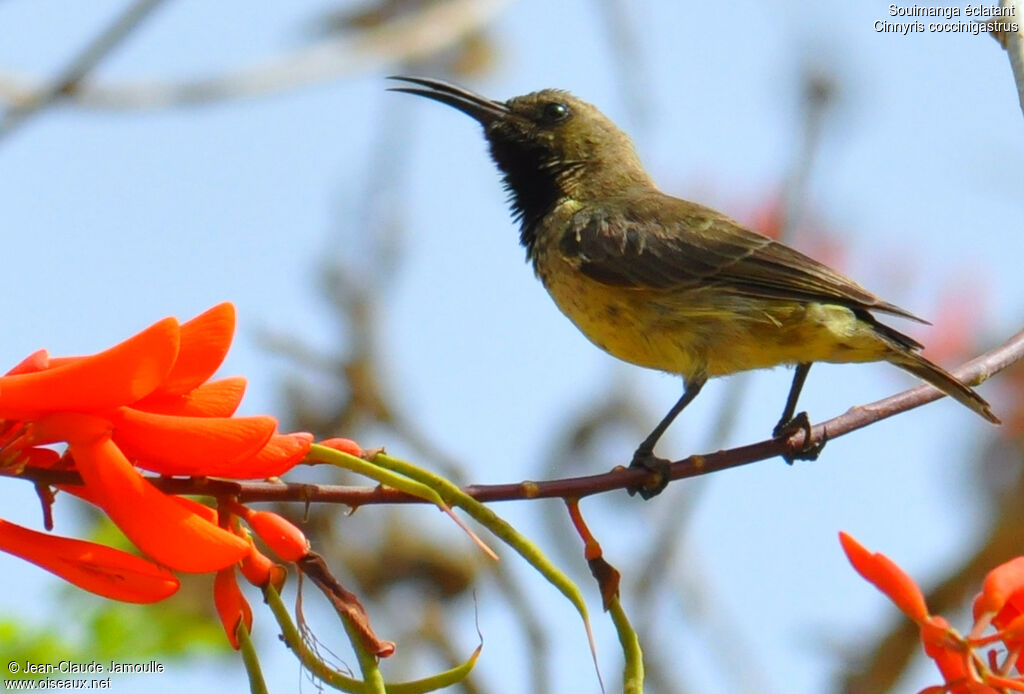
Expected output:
(975, 371)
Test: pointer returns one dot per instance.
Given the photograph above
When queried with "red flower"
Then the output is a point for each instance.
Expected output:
(286, 541)
(963, 667)
(145, 402)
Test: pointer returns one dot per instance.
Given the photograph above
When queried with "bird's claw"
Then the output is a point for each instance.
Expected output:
(659, 466)
(810, 449)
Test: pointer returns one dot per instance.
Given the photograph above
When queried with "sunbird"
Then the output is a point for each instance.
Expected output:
(665, 283)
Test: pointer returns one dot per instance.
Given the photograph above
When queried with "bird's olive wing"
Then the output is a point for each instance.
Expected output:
(666, 243)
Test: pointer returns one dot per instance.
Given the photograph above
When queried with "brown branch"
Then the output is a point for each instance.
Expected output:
(975, 371)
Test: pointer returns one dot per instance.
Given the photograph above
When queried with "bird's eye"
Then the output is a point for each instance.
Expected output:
(555, 112)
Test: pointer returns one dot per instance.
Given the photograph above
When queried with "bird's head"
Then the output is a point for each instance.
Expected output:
(549, 145)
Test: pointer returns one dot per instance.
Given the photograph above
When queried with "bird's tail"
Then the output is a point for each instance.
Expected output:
(943, 380)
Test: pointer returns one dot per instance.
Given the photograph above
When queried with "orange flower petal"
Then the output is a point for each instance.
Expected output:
(64, 361)
(38, 457)
(344, 445)
(120, 375)
(287, 541)
(205, 341)
(202, 510)
(37, 361)
(281, 454)
(943, 645)
(889, 578)
(158, 524)
(67, 426)
(1001, 584)
(84, 493)
(163, 443)
(259, 570)
(1013, 628)
(232, 607)
(99, 569)
(214, 399)
(256, 567)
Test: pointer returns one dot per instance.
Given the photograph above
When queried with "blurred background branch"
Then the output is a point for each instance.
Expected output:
(411, 36)
(29, 101)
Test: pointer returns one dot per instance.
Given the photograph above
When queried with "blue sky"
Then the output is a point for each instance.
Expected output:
(112, 220)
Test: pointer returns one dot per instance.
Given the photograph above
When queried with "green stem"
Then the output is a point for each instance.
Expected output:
(373, 681)
(633, 670)
(257, 685)
(335, 679)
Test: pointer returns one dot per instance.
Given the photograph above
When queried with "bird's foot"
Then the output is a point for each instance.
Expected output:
(809, 449)
(659, 466)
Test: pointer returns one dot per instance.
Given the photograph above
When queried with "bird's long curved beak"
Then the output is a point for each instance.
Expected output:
(484, 110)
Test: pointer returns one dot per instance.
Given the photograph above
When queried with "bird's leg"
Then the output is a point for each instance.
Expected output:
(644, 456)
(790, 423)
